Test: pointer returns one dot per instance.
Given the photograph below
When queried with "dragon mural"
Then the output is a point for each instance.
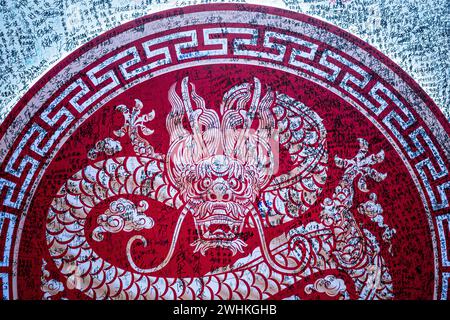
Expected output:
(222, 168)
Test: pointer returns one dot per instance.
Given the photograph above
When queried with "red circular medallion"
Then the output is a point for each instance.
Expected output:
(225, 152)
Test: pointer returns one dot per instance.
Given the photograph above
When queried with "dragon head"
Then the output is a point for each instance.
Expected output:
(220, 161)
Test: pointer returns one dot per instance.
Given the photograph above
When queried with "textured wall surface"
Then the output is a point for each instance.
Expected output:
(224, 151)
(35, 34)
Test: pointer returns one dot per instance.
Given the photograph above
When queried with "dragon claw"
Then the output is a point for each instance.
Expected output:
(133, 121)
(361, 165)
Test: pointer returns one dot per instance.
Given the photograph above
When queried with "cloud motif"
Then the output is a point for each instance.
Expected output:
(122, 215)
(330, 285)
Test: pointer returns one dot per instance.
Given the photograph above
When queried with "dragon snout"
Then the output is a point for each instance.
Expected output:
(219, 192)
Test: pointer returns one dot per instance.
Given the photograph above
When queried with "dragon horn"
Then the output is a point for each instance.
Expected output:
(250, 114)
(192, 115)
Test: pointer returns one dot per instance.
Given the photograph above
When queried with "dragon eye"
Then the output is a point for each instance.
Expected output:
(200, 186)
(205, 183)
(234, 183)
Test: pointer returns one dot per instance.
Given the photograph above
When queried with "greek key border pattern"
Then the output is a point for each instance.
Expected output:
(149, 55)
